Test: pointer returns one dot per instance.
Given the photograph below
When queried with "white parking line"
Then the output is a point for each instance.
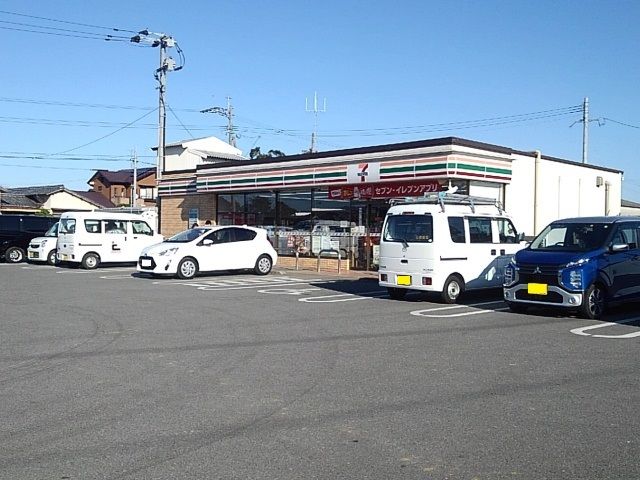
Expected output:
(582, 330)
(218, 286)
(289, 291)
(420, 313)
(345, 297)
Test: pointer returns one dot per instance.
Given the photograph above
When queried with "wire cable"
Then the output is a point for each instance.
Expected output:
(105, 136)
(66, 21)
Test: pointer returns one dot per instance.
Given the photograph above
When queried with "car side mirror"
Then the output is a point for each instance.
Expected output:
(521, 237)
(619, 247)
(207, 241)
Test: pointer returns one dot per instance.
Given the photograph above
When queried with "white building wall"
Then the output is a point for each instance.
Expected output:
(486, 189)
(553, 190)
(178, 158)
(66, 201)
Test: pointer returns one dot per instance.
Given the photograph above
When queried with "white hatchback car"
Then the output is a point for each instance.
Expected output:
(209, 249)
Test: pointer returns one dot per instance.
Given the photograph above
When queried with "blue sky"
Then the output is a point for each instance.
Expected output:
(390, 72)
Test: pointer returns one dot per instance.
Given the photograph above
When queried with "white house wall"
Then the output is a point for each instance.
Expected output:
(66, 201)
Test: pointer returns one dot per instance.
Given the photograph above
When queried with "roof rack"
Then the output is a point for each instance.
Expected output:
(444, 198)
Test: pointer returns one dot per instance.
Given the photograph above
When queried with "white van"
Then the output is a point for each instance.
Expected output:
(93, 238)
(445, 243)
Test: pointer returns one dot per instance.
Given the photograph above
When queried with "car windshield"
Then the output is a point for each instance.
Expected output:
(572, 237)
(187, 235)
(53, 231)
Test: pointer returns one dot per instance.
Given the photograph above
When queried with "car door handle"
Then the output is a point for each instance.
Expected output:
(404, 261)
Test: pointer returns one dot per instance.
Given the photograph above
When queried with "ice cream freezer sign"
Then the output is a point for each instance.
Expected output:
(384, 190)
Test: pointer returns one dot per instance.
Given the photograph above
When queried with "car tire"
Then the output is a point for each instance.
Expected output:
(453, 287)
(397, 293)
(593, 302)
(51, 258)
(517, 307)
(264, 265)
(14, 255)
(90, 261)
(187, 268)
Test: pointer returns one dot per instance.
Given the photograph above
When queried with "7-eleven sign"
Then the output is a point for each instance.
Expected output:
(364, 172)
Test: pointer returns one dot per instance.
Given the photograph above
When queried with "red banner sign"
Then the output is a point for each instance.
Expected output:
(384, 190)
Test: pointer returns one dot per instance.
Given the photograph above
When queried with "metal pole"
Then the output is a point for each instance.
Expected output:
(585, 129)
(134, 192)
(162, 116)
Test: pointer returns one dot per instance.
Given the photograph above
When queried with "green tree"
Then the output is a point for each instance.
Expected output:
(255, 153)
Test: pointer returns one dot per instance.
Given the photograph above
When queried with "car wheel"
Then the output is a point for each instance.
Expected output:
(187, 268)
(397, 293)
(90, 261)
(453, 287)
(51, 258)
(263, 265)
(593, 302)
(14, 255)
(517, 307)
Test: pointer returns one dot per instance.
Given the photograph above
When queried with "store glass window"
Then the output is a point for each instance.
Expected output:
(231, 208)
(326, 209)
(261, 209)
(294, 209)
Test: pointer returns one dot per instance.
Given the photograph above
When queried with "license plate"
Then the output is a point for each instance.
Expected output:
(145, 262)
(537, 288)
(33, 255)
(64, 257)
(403, 280)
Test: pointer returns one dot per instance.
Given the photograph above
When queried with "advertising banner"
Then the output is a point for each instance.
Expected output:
(384, 190)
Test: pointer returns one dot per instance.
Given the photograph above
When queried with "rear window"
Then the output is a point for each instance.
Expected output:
(243, 235)
(409, 228)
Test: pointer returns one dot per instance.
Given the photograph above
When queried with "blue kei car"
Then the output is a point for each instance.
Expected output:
(580, 264)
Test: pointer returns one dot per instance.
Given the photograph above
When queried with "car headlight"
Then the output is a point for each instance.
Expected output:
(168, 251)
(510, 273)
(572, 278)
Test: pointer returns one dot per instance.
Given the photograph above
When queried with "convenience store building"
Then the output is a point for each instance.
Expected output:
(338, 198)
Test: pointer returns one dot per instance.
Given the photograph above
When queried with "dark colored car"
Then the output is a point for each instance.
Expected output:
(16, 231)
(580, 264)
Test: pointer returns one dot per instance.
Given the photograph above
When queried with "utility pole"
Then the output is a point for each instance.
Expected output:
(167, 64)
(315, 111)
(228, 114)
(585, 129)
(134, 192)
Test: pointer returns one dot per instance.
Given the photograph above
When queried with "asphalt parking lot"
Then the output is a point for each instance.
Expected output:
(108, 374)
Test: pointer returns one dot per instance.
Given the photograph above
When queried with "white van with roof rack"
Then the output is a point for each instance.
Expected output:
(445, 243)
(93, 238)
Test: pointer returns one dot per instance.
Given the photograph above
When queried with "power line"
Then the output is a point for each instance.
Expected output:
(44, 27)
(91, 36)
(67, 22)
(180, 121)
(620, 123)
(105, 136)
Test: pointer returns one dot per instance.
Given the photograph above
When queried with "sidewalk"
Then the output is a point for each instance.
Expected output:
(346, 274)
